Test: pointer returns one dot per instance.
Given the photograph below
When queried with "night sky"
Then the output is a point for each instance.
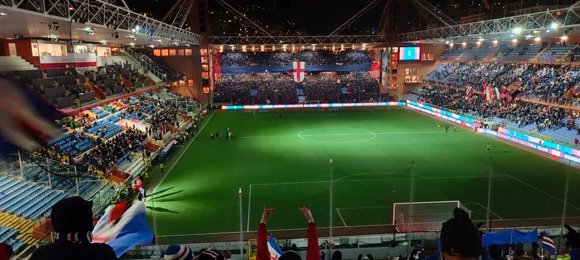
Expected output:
(319, 17)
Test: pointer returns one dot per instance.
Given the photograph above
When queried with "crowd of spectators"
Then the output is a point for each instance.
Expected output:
(280, 88)
(520, 112)
(106, 152)
(533, 80)
(282, 58)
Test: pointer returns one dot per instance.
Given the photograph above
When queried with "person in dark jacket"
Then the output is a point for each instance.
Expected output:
(72, 220)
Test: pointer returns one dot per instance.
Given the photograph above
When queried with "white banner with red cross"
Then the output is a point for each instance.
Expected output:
(298, 70)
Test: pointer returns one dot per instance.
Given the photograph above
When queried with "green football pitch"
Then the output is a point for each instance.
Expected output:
(280, 159)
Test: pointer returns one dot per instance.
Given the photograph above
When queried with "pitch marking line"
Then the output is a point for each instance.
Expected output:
(490, 211)
(347, 208)
(385, 179)
(541, 191)
(345, 134)
(183, 152)
(341, 218)
(484, 208)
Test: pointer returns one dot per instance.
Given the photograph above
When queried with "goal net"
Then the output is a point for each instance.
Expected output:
(424, 216)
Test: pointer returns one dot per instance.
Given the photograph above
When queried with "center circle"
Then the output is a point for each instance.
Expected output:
(337, 135)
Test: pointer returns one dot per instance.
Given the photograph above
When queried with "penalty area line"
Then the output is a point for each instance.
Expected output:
(341, 218)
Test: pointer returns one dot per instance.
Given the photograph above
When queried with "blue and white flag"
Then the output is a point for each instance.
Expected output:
(273, 248)
(299, 91)
(123, 228)
(254, 91)
(548, 243)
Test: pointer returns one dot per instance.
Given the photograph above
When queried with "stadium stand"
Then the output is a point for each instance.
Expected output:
(519, 53)
(146, 55)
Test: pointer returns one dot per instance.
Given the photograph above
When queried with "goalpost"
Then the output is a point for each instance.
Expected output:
(424, 216)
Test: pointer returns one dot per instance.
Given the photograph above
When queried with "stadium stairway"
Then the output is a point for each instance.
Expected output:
(126, 57)
(14, 63)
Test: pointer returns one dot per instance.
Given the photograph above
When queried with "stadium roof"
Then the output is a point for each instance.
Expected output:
(90, 21)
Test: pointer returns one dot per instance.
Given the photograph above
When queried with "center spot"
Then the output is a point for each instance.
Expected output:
(337, 135)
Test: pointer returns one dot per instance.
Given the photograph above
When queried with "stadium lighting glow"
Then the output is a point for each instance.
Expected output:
(451, 45)
(515, 40)
(538, 39)
(342, 47)
(253, 48)
(564, 37)
(447, 42)
(517, 30)
(262, 47)
(221, 48)
(495, 41)
(464, 44)
(554, 26)
(3, 14)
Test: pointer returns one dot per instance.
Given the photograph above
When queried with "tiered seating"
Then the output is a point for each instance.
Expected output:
(106, 128)
(520, 53)
(8, 236)
(26, 199)
(71, 145)
(477, 54)
(451, 54)
(555, 53)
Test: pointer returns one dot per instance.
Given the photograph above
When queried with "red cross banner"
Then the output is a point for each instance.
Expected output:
(298, 70)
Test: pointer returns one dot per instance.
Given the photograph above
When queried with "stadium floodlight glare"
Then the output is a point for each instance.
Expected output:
(564, 37)
(447, 42)
(517, 30)
(3, 14)
(464, 44)
(554, 26)
(451, 45)
(538, 39)
(515, 40)
(495, 41)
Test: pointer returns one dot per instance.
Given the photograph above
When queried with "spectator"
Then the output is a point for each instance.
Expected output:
(337, 255)
(72, 220)
(178, 252)
(5, 251)
(313, 250)
(460, 238)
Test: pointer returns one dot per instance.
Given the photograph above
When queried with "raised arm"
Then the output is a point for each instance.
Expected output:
(262, 252)
(313, 250)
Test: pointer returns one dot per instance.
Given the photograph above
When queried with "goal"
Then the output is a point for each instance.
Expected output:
(424, 216)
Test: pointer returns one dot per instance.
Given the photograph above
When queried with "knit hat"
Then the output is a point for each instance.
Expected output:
(178, 252)
(72, 214)
(210, 255)
(460, 236)
(290, 255)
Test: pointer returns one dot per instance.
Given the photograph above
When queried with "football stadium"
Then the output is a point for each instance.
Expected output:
(287, 130)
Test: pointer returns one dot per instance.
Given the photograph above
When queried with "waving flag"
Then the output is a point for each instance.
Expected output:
(468, 91)
(298, 71)
(273, 248)
(123, 227)
(254, 91)
(548, 243)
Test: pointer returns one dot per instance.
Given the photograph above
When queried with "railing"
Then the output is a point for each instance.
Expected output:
(149, 66)
(560, 102)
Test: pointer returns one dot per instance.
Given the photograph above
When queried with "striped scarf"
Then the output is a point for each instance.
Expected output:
(75, 237)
